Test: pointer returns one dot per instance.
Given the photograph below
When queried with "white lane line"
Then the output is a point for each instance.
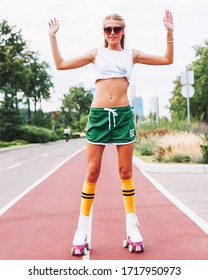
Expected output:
(89, 235)
(14, 166)
(45, 155)
(187, 211)
(17, 198)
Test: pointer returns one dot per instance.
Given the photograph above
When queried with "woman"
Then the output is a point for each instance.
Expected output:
(111, 119)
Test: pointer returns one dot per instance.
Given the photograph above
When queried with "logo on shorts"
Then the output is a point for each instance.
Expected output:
(132, 133)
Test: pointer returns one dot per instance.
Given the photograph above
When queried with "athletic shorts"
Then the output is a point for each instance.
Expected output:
(111, 125)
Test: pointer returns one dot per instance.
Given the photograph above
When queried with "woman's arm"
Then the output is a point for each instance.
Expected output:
(60, 63)
(140, 57)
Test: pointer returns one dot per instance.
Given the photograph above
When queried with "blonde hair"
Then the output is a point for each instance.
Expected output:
(123, 24)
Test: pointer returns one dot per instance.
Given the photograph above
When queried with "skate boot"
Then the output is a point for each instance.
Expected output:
(134, 240)
(80, 245)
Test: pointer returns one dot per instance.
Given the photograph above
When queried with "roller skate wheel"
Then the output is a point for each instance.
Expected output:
(142, 247)
(131, 248)
(73, 251)
(125, 244)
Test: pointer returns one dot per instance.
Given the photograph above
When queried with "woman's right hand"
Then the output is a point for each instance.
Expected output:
(53, 26)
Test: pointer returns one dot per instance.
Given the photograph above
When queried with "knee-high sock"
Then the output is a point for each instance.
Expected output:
(88, 194)
(128, 192)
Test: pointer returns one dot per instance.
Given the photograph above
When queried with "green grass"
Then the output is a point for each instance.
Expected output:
(12, 144)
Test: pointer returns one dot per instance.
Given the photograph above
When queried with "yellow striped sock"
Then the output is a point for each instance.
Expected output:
(88, 194)
(128, 192)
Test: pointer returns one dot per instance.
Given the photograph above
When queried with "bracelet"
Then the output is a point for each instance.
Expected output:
(170, 41)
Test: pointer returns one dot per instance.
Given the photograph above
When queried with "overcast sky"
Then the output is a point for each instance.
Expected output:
(81, 30)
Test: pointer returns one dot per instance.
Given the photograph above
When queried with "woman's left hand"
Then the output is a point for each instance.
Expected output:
(168, 20)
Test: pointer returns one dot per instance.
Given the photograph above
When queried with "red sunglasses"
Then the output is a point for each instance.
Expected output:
(117, 29)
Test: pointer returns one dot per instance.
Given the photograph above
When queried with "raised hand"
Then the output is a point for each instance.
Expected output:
(168, 20)
(53, 26)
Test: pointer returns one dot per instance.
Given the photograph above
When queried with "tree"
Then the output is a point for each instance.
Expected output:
(10, 121)
(198, 103)
(12, 49)
(200, 68)
(23, 76)
(37, 82)
(178, 108)
(75, 105)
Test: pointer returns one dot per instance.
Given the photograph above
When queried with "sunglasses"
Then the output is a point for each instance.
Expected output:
(116, 29)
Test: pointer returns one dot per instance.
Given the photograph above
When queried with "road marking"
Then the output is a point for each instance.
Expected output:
(17, 198)
(45, 155)
(89, 235)
(187, 211)
(14, 166)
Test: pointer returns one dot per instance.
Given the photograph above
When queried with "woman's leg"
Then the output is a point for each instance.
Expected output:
(94, 157)
(125, 153)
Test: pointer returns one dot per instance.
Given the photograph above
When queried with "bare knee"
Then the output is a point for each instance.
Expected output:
(125, 173)
(92, 175)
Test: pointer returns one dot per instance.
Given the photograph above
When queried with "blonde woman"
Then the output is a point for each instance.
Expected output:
(110, 119)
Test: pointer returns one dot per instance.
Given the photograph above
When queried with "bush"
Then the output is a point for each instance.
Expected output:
(173, 146)
(4, 144)
(179, 147)
(173, 141)
(146, 147)
(161, 152)
(149, 133)
(204, 149)
(60, 132)
(33, 134)
(9, 123)
(13, 143)
(202, 128)
(179, 158)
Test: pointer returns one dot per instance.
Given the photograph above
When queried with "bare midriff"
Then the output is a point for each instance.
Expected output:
(111, 93)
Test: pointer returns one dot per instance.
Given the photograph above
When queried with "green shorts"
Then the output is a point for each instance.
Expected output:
(111, 125)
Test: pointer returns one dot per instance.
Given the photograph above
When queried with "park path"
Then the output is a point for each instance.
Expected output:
(41, 225)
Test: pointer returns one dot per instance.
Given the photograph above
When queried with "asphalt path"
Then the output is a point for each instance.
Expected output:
(188, 183)
(190, 189)
(22, 169)
(41, 225)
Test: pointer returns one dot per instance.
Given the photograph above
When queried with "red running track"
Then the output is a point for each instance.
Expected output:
(41, 225)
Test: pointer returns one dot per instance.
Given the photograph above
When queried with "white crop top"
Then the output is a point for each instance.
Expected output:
(113, 64)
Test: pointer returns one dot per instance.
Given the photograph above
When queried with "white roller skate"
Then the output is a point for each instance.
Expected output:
(134, 240)
(80, 245)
